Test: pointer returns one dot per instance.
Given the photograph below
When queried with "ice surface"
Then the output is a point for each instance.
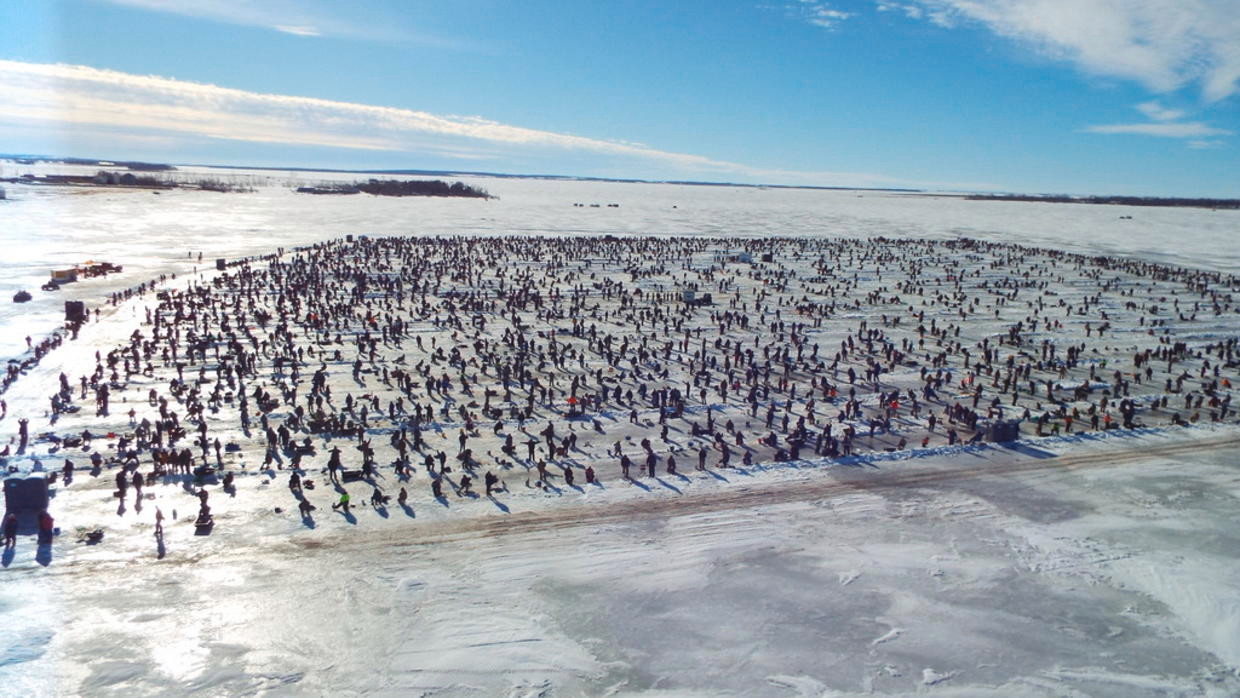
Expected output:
(1083, 573)
(943, 583)
(46, 228)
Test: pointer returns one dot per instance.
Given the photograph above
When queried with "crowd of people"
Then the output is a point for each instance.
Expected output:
(388, 360)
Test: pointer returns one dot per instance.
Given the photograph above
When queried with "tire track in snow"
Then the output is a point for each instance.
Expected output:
(846, 480)
(849, 480)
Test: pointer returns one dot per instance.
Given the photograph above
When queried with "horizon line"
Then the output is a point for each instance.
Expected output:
(590, 178)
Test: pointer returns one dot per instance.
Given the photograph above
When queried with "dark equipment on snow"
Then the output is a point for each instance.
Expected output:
(27, 494)
(75, 311)
(1008, 430)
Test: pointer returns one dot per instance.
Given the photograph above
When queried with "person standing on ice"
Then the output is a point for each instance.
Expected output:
(46, 527)
(333, 463)
(10, 530)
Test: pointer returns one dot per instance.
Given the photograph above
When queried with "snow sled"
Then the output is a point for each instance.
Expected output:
(50, 286)
(21, 296)
(304, 449)
(203, 525)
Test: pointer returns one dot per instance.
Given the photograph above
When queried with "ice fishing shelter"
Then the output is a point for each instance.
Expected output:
(25, 494)
(75, 311)
(1004, 430)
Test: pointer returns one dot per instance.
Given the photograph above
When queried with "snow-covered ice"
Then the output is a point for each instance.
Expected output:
(1101, 564)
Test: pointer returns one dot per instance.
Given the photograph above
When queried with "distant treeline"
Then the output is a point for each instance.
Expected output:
(149, 182)
(1118, 200)
(105, 178)
(392, 187)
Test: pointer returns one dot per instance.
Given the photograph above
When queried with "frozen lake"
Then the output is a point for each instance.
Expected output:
(1098, 564)
(1112, 577)
(46, 228)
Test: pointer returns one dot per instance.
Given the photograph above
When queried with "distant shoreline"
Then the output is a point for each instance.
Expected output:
(1165, 202)
(31, 159)
(1117, 199)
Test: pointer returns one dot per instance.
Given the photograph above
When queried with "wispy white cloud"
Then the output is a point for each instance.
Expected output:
(71, 98)
(941, 15)
(307, 18)
(279, 15)
(818, 13)
(910, 10)
(1158, 112)
(1163, 44)
(297, 31)
(1165, 123)
(1188, 129)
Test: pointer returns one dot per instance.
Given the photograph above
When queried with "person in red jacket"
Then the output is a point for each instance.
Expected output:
(46, 526)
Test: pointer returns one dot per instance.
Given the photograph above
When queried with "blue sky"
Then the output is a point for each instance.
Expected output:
(1079, 96)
